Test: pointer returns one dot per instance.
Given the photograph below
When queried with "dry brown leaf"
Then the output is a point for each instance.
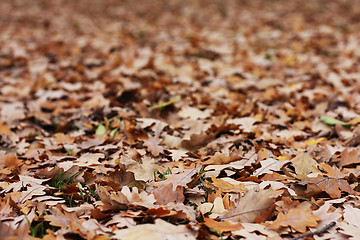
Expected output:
(181, 179)
(165, 194)
(61, 219)
(332, 186)
(220, 227)
(143, 171)
(304, 164)
(348, 157)
(297, 218)
(269, 165)
(226, 186)
(219, 159)
(160, 230)
(252, 204)
(197, 140)
(5, 129)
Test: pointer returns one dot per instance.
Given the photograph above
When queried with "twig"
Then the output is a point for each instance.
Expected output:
(238, 214)
(304, 198)
(318, 232)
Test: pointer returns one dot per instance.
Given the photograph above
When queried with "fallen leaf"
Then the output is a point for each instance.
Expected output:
(349, 230)
(251, 205)
(268, 166)
(352, 215)
(304, 164)
(160, 230)
(5, 129)
(143, 171)
(194, 113)
(297, 218)
(100, 130)
(215, 209)
(245, 123)
(332, 186)
(348, 157)
(180, 179)
(226, 186)
(332, 121)
(220, 227)
(165, 194)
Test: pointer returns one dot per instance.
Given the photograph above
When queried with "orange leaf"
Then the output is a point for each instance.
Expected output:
(5, 129)
(226, 186)
(221, 227)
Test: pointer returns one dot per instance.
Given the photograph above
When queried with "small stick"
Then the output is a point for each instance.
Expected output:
(318, 232)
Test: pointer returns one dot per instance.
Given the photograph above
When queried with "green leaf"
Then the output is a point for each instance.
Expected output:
(162, 105)
(332, 121)
(101, 129)
(112, 133)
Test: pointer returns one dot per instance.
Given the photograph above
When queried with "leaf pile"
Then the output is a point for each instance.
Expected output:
(179, 119)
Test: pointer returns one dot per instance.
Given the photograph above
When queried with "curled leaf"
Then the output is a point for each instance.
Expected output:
(162, 105)
(332, 121)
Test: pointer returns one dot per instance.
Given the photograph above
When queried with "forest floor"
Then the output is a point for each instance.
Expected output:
(179, 119)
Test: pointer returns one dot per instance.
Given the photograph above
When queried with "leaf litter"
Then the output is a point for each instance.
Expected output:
(179, 120)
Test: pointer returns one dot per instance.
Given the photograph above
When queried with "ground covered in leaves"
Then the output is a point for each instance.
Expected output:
(179, 119)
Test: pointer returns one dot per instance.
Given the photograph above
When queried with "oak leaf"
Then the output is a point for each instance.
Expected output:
(143, 171)
(245, 123)
(304, 163)
(297, 218)
(89, 159)
(225, 186)
(165, 194)
(181, 179)
(269, 165)
(332, 186)
(352, 215)
(252, 204)
(160, 230)
(194, 113)
(5, 129)
(59, 218)
(198, 140)
(326, 215)
(216, 209)
(349, 230)
(256, 232)
(153, 143)
(221, 227)
(219, 158)
(348, 158)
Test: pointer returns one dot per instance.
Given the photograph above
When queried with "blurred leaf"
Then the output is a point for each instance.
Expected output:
(332, 121)
(112, 133)
(162, 105)
(100, 129)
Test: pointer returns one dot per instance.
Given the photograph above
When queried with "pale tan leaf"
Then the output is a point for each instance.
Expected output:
(160, 230)
(304, 164)
(251, 205)
(352, 215)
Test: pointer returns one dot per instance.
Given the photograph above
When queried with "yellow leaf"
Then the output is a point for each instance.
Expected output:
(354, 121)
(282, 158)
(313, 141)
